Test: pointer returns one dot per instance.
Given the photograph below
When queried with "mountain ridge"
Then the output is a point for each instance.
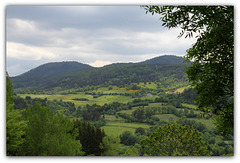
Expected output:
(72, 73)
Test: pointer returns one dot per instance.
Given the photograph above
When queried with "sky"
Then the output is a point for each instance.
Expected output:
(94, 35)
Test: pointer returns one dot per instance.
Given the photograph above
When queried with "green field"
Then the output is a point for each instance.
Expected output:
(189, 105)
(117, 128)
(180, 90)
(69, 97)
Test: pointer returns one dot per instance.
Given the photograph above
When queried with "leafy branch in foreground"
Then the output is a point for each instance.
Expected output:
(213, 54)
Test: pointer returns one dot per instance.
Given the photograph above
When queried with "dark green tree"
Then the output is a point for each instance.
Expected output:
(139, 114)
(90, 137)
(175, 140)
(140, 130)
(128, 138)
(211, 71)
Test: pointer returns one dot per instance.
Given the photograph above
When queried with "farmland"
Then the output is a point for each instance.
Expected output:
(116, 125)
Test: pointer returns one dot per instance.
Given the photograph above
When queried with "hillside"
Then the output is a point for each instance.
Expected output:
(68, 75)
(165, 59)
(42, 73)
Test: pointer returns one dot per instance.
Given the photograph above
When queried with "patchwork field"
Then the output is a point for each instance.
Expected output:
(116, 125)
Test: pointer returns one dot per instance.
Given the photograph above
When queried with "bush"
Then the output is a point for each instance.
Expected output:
(128, 138)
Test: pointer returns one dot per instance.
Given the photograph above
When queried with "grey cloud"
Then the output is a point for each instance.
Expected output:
(91, 17)
(87, 34)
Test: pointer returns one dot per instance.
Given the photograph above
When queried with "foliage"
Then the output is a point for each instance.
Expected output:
(140, 130)
(15, 125)
(189, 95)
(111, 146)
(90, 137)
(213, 54)
(139, 114)
(175, 140)
(49, 135)
(131, 151)
(128, 138)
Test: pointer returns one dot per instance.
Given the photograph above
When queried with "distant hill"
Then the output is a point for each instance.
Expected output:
(166, 59)
(46, 71)
(68, 75)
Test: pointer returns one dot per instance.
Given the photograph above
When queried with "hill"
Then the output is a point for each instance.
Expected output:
(68, 75)
(165, 59)
(40, 74)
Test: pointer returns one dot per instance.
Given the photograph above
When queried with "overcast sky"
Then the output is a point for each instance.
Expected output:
(95, 35)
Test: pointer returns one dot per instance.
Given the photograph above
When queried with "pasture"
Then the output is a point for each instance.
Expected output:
(117, 128)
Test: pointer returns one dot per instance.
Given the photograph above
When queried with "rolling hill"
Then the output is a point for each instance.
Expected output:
(40, 74)
(164, 69)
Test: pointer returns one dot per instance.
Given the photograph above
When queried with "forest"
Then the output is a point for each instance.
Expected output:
(164, 106)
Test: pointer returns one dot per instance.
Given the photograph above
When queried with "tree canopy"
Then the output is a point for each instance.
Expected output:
(15, 125)
(212, 71)
(175, 140)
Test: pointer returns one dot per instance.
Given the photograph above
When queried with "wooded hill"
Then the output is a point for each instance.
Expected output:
(73, 74)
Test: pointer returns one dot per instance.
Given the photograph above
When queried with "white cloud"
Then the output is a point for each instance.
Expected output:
(100, 63)
(19, 25)
(25, 52)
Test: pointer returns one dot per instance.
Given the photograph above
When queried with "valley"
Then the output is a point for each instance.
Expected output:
(119, 98)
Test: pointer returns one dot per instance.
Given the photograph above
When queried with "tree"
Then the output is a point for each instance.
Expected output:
(128, 138)
(15, 125)
(175, 140)
(111, 146)
(131, 151)
(211, 71)
(140, 130)
(90, 137)
(139, 114)
(49, 135)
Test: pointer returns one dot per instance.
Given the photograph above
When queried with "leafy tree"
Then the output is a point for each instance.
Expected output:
(140, 130)
(128, 138)
(19, 103)
(131, 151)
(175, 140)
(213, 54)
(49, 135)
(111, 146)
(139, 114)
(15, 125)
